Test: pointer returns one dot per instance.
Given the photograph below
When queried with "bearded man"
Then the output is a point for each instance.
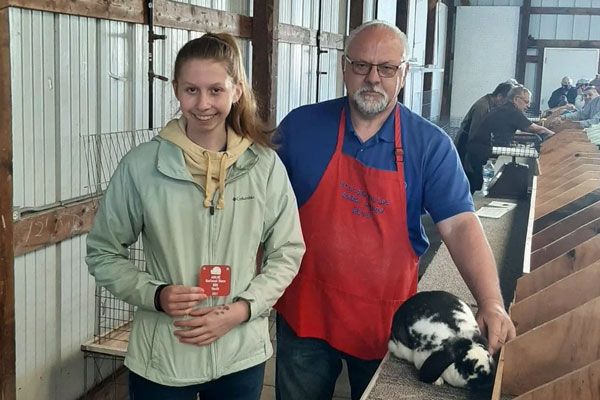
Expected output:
(364, 168)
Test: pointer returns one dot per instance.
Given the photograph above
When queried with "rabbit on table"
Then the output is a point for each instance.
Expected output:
(437, 332)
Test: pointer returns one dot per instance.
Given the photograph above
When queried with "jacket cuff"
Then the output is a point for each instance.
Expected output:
(256, 307)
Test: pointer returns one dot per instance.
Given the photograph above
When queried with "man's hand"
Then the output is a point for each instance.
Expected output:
(207, 324)
(495, 324)
(179, 300)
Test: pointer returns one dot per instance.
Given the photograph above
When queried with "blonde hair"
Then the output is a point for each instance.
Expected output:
(222, 47)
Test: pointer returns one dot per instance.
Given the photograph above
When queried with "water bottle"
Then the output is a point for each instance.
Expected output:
(488, 175)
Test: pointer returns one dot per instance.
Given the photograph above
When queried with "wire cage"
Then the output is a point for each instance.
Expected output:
(103, 153)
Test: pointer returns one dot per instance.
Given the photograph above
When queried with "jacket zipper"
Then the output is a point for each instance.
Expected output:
(213, 345)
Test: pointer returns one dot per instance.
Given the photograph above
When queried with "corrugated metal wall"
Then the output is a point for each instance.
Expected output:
(565, 27)
(298, 63)
(71, 77)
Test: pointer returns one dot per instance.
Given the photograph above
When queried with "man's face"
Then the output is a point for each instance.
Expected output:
(521, 102)
(589, 95)
(372, 94)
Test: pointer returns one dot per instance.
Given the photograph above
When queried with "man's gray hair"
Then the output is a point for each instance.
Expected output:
(379, 24)
(517, 91)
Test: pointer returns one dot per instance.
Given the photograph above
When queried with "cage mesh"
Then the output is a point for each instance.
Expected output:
(103, 154)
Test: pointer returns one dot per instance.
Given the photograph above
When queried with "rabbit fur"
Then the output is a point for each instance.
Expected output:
(438, 333)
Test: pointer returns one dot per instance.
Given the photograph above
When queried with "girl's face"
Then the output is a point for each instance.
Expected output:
(206, 93)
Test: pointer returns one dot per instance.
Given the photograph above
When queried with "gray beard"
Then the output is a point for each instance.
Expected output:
(369, 108)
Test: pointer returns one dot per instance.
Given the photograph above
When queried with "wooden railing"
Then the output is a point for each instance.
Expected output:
(556, 308)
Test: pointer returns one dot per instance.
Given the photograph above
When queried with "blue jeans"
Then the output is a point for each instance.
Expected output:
(242, 385)
(307, 369)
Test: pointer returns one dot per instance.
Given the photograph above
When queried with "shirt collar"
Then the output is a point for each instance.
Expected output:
(384, 134)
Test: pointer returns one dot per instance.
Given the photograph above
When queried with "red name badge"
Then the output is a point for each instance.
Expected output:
(215, 279)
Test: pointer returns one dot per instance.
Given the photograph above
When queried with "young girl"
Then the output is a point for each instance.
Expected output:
(204, 194)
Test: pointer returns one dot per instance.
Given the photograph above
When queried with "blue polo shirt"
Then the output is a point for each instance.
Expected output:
(435, 180)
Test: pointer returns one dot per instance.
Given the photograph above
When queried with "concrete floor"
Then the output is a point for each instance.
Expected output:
(342, 389)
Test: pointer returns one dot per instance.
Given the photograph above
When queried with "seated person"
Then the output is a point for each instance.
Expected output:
(581, 87)
(590, 113)
(498, 129)
(566, 93)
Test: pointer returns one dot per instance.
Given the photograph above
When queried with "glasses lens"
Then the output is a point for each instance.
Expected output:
(387, 71)
(361, 68)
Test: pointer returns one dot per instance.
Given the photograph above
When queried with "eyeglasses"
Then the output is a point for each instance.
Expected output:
(364, 68)
(527, 101)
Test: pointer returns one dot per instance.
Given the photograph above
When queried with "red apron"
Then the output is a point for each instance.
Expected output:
(359, 264)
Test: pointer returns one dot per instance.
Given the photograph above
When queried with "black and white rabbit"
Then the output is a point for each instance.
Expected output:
(437, 332)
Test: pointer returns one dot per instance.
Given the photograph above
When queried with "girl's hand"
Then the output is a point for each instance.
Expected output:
(207, 324)
(179, 300)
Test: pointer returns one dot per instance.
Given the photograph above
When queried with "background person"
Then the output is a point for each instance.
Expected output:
(589, 115)
(476, 113)
(566, 91)
(498, 129)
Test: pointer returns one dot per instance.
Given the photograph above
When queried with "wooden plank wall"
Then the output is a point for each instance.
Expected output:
(7, 317)
(556, 310)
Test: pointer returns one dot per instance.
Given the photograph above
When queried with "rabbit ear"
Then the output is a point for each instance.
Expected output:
(436, 364)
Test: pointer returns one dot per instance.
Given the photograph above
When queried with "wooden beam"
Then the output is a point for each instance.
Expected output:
(583, 383)
(539, 71)
(554, 349)
(542, 43)
(173, 14)
(524, 18)
(300, 35)
(429, 42)
(563, 213)
(264, 58)
(332, 40)
(448, 65)
(556, 299)
(49, 227)
(570, 223)
(566, 10)
(580, 257)
(167, 13)
(566, 243)
(402, 15)
(121, 10)
(565, 198)
(356, 13)
(7, 297)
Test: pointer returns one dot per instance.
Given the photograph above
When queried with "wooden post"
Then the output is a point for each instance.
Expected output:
(448, 65)
(356, 13)
(264, 58)
(7, 298)
(523, 40)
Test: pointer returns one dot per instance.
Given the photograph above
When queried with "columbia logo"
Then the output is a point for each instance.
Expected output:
(241, 198)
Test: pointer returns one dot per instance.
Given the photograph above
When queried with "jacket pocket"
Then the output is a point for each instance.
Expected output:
(243, 343)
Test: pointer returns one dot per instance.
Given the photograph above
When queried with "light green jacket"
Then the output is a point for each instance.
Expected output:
(152, 193)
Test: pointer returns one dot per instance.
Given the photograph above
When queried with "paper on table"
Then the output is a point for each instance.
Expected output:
(492, 212)
(502, 204)
(495, 209)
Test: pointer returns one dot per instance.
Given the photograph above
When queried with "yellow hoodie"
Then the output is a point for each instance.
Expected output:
(203, 163)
